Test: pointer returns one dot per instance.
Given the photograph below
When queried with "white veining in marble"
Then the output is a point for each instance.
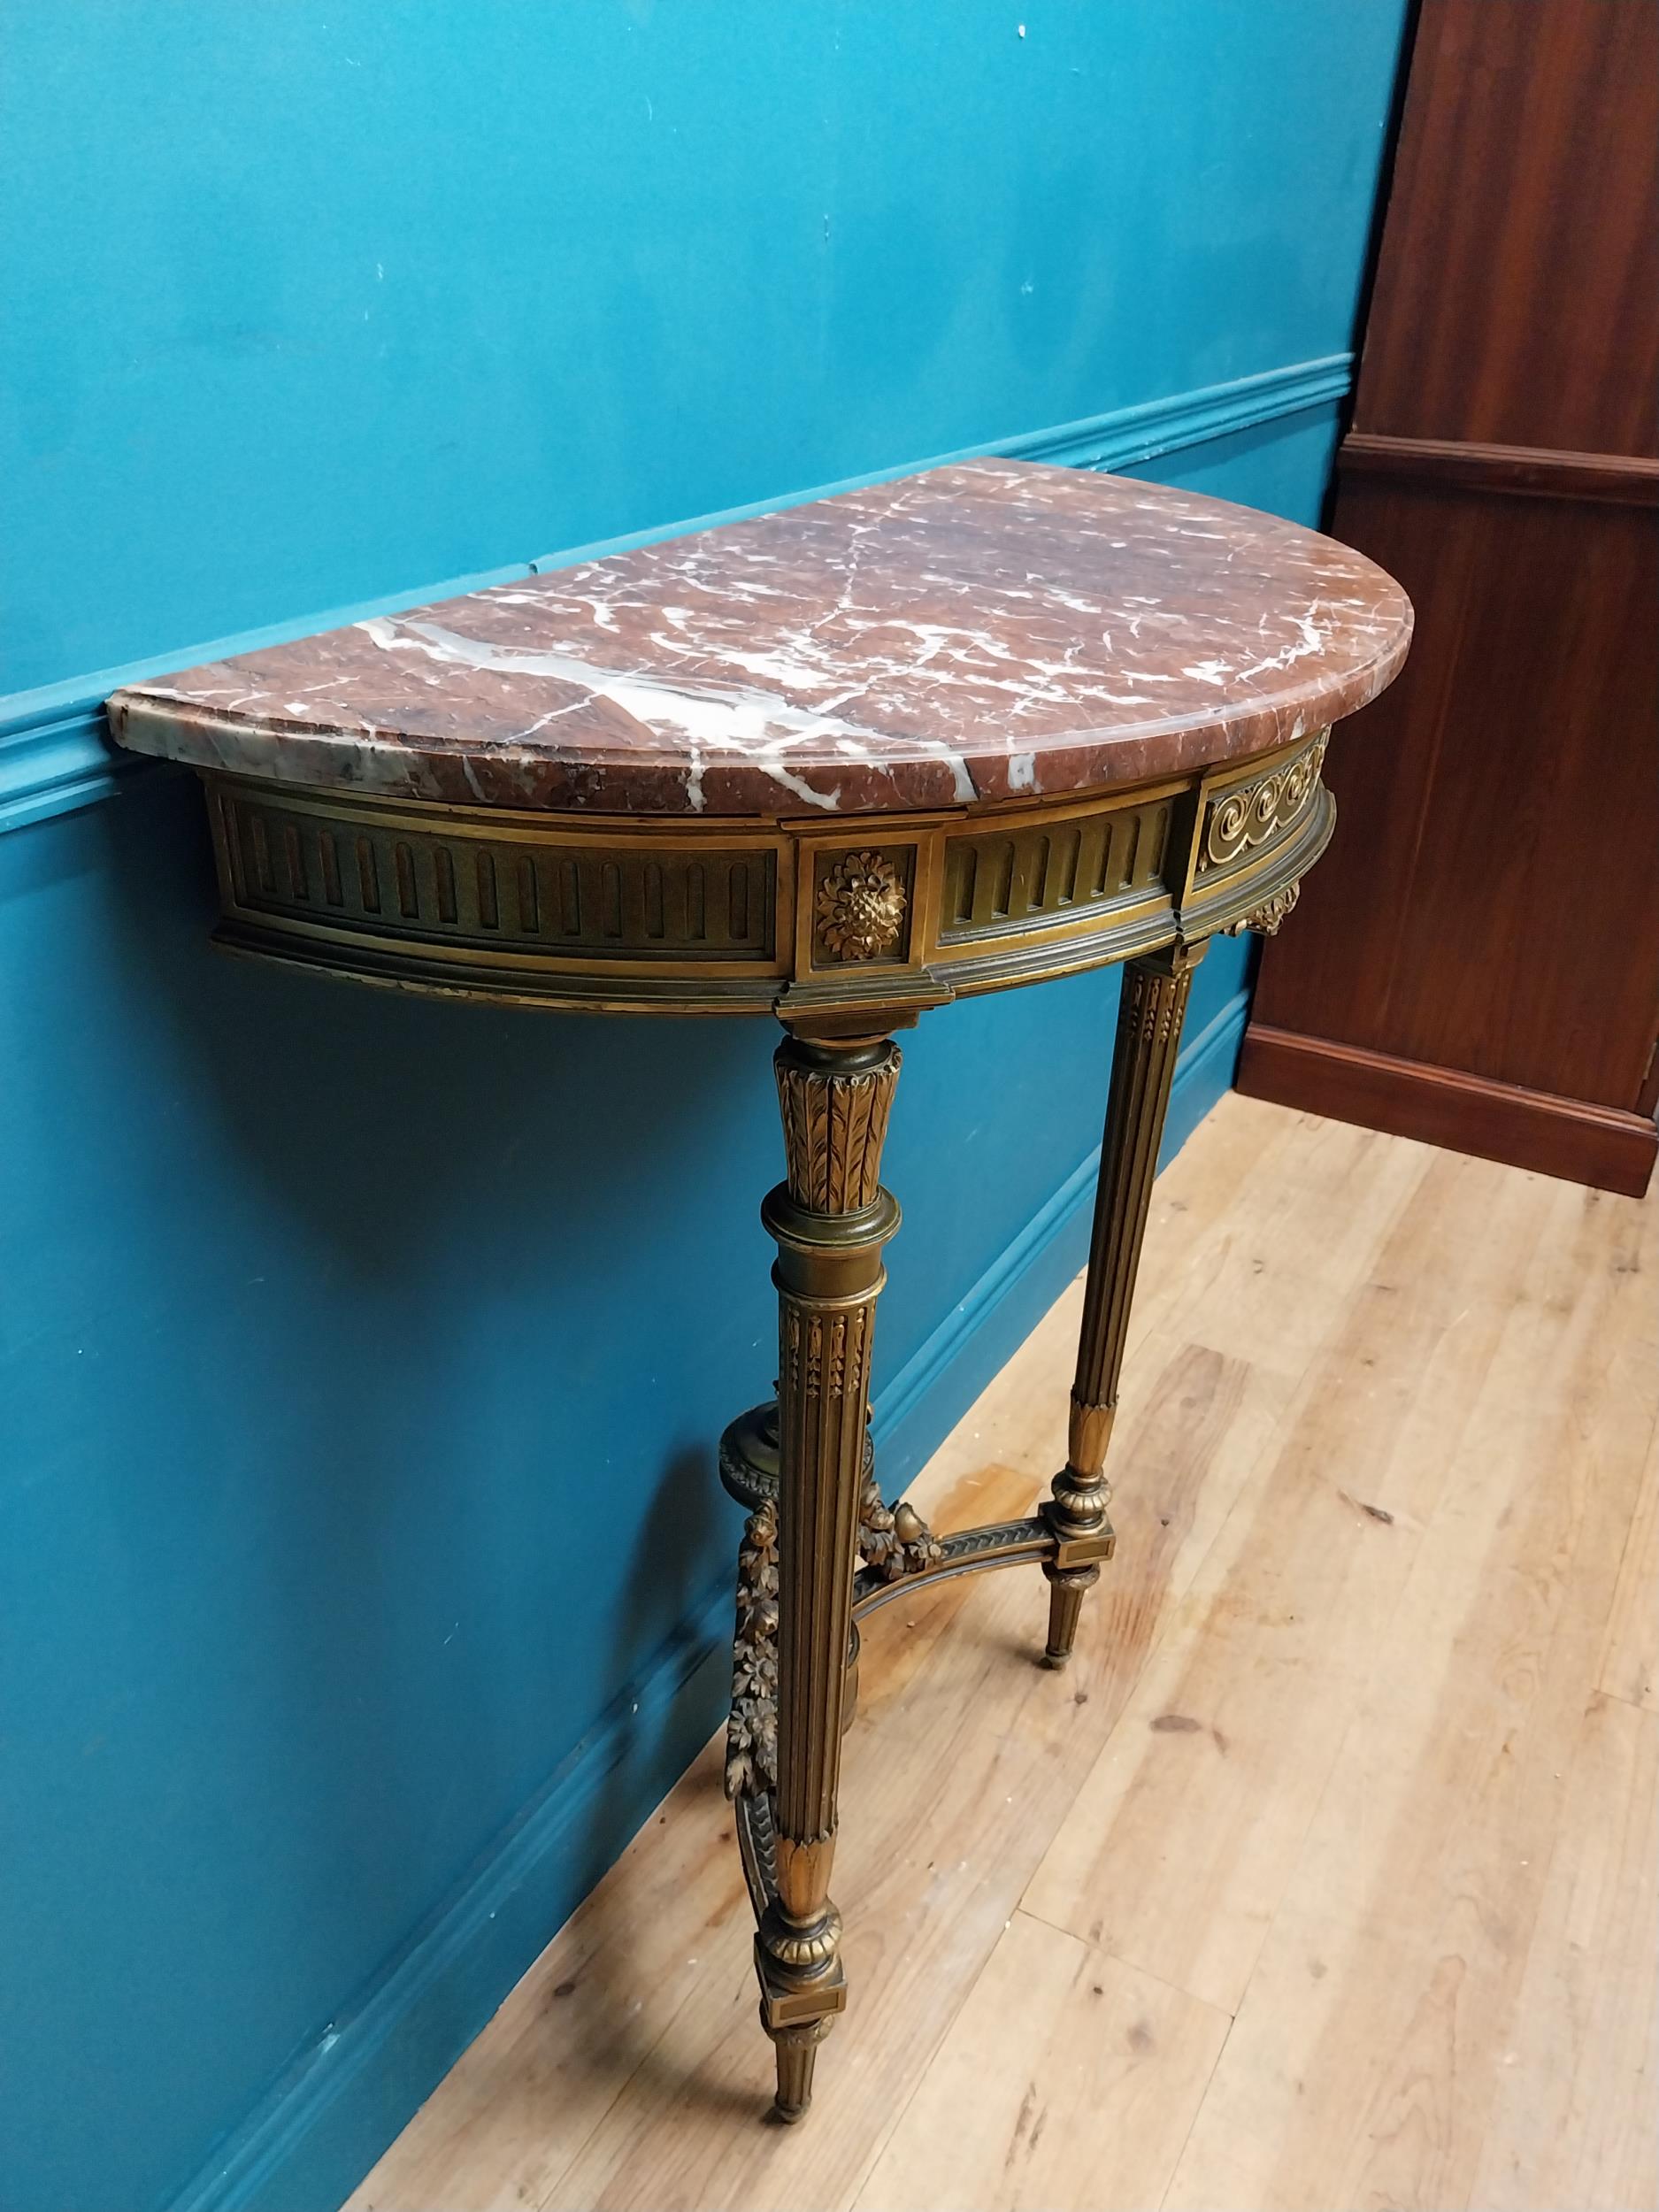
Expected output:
(981, 630)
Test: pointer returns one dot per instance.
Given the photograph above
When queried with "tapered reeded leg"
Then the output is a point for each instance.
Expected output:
(830, 1219)
(1150, 1015)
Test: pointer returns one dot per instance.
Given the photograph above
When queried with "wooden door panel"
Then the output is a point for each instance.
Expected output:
(1477, 963)
(1490, 902)
(1512, 303)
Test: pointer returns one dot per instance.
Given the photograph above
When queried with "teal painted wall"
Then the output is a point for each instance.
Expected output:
(354, 1421)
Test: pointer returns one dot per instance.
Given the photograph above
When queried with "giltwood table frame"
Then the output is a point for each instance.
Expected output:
(846, 928)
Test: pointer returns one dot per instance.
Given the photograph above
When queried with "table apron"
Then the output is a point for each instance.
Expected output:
(816, 919)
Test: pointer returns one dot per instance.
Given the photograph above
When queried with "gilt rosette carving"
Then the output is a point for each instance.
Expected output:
(1251, 813)
(751, 1734)
(861, 907)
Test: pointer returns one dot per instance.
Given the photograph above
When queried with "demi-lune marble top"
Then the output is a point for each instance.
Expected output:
(982, 632)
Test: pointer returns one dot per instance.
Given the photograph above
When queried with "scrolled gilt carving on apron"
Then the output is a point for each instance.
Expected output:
(1251, 813)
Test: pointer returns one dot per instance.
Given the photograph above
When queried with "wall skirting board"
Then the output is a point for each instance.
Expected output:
(54, 756)
(345, 2097)
(1611, 1149)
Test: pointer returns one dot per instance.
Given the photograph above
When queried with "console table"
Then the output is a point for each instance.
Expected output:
(838, 764)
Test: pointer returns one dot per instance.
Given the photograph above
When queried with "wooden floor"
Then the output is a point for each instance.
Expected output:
(1326, 1877)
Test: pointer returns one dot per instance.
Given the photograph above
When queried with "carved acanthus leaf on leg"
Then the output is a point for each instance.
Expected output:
(751, 1734)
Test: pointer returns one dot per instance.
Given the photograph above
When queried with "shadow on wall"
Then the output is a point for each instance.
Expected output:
(383, 1119)
(369, 1459)
(380, 1134)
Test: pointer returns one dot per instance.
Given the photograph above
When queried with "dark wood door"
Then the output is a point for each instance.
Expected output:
(1476, 961)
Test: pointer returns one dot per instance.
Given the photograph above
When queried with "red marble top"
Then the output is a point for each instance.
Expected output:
(983, 631)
